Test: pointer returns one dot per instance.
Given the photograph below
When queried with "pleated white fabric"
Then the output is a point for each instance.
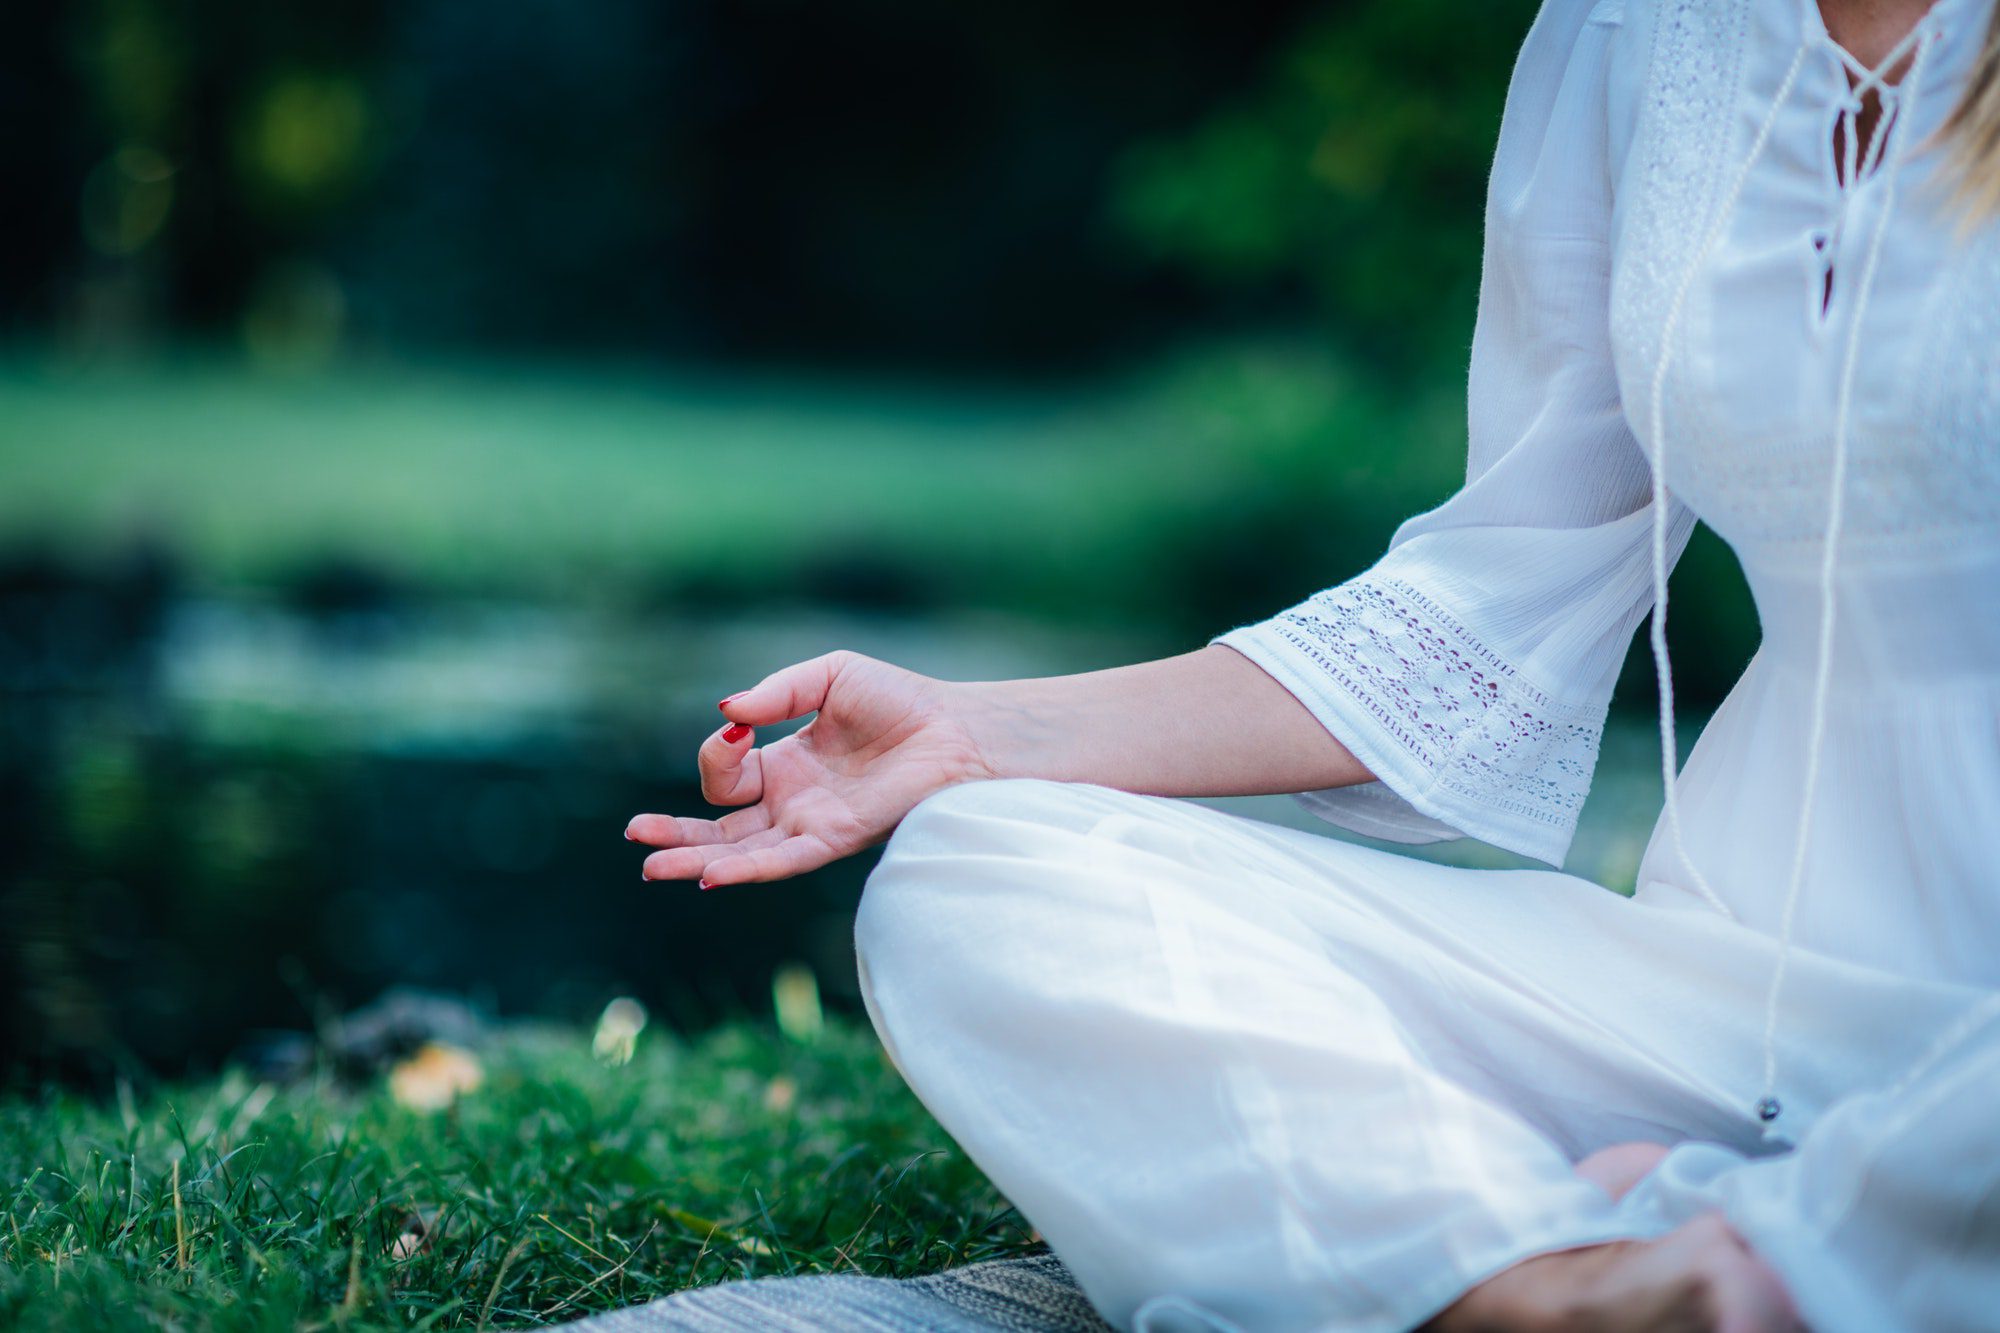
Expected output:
(1245, 1077)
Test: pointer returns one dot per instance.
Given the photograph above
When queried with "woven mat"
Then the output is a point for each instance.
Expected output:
(1031, 1295)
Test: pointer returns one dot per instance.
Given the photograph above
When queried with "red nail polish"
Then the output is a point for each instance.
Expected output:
(706, 885)
(732, 698)
(735, 732)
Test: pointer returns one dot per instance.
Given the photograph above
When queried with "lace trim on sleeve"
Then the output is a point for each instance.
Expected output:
(1479, 747)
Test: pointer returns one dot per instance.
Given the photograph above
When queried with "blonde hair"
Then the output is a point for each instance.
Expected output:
(1974, 131)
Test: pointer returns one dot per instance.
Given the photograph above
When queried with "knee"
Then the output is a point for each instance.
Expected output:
(964, 885)
(921, 882)
(916, 920)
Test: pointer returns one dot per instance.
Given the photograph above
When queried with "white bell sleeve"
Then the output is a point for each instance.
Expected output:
(1471, 666)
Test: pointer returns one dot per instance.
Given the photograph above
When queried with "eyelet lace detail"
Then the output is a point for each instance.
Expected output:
(1695, 73)
(1490, 740)
(1924, 477)
(1963, 392)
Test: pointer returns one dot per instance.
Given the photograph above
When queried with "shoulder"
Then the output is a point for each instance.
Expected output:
(1570, 112)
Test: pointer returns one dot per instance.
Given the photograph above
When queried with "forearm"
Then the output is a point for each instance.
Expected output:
(1205, 723)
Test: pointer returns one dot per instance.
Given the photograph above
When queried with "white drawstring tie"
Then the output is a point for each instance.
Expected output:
(1897, 110)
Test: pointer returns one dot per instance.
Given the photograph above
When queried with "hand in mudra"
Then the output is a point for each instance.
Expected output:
(884, 739)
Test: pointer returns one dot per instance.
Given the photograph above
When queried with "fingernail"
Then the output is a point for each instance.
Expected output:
(734, 732)
(705, 884)
(732, 698)
(629, 837)
(643, 875)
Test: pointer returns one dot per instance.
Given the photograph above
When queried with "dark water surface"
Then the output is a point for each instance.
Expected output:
(220, 817)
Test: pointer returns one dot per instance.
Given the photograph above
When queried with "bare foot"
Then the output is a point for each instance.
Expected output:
(1616, 1169)
(1700, 1278)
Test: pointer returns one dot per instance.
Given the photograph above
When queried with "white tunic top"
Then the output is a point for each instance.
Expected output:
(1471, 666)
(1245, 1077)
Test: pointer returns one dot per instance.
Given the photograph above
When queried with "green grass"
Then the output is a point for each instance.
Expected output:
(561, 1187)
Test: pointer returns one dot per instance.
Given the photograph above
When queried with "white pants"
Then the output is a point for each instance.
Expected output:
(1247, 1077)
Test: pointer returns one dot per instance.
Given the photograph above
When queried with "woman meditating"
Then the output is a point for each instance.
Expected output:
(1742, 265)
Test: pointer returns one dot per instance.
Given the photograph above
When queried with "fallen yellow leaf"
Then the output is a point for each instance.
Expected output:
(435, 1077)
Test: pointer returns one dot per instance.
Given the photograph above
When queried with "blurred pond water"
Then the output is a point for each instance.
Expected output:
(225, 816)
(221, 816)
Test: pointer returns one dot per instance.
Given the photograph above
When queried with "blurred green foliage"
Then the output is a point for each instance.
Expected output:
(1182, 499)
(875, 180)
(1001, 188)
(1213, 488)
(1144, 318)
(1354, 172)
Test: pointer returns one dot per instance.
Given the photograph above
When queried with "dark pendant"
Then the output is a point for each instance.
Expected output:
(1768, 1109)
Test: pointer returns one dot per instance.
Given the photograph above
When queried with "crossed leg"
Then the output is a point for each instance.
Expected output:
(1244, 1077)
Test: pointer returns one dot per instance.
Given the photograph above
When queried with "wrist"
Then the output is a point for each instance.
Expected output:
(1006, 734)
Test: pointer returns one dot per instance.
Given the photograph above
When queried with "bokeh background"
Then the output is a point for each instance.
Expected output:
(414, 416)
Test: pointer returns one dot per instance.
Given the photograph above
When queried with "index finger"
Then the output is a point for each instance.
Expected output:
(791, 692)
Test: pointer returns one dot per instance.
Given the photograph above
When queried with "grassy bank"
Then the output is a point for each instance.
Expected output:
(568, 483)
(560, 1187)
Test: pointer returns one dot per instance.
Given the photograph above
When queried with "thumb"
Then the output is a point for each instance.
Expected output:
(792, 692)
(732, 773)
